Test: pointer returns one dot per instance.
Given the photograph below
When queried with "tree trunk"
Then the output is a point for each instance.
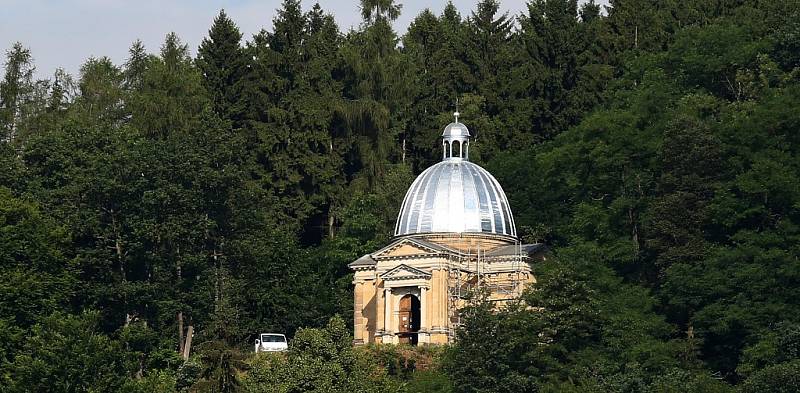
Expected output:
(217, 282)
(140, 371)
(187, 347)
(634, 232)
(330, 222)
(178, 278)
(121, 264)
(180, 332)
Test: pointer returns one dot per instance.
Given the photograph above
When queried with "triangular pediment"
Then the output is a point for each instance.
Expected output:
(405, 247)
(405, 272)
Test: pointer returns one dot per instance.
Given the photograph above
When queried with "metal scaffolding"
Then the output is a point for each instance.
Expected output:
(470, 271)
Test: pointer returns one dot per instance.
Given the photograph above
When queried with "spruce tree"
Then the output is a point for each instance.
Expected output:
(489, 56)
(220, 59)
(377, 93)
(422, 43)
(286, 39)
(549, 44)
(489, 33)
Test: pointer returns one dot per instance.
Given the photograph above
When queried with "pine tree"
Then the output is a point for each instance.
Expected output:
(423, 42)
(62, 91)
(453, 70)
(220, 59)
(637, 24)
(287, 39)
(321, 50)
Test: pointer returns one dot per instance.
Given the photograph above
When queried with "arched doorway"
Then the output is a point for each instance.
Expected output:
(408, 319)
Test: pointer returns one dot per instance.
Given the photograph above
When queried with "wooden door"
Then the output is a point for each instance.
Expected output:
(408, 319)
(405, 314)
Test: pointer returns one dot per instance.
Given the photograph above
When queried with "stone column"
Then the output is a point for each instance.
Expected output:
(444, 298)
(358, 309)
(387, 309)
(388, 331)
(423, 308)
(424, 335)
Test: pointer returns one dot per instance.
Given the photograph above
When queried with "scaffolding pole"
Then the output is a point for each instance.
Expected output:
(463, 279)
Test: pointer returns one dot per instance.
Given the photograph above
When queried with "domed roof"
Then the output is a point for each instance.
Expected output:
(455, 196)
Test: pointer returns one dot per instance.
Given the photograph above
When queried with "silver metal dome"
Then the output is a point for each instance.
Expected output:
(456, 130)
(455, 196)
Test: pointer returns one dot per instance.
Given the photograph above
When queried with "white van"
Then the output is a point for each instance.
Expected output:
(271, 342)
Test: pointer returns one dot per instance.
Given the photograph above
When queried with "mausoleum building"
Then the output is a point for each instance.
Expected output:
(455, 234)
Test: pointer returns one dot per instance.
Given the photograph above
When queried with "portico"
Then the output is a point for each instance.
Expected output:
(405, 305)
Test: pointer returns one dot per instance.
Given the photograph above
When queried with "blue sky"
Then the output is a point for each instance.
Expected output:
(64, 33)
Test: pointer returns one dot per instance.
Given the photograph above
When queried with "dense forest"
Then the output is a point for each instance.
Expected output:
(176, 201)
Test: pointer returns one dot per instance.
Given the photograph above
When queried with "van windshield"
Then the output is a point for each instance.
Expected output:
(272, 338)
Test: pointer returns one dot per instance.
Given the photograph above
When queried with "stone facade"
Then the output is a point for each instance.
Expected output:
(411, 290)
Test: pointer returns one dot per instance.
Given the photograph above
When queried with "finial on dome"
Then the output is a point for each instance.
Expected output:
(456, 114)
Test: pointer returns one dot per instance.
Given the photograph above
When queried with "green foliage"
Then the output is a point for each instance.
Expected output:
(221, 366)
(676, 381)
(318, 360)
(221, 61)
(67, 353)
(778, 345)
(653, 147)
(410, 362)
(780, 378)
(35, 276)
(429, 381)
(157, 382)
(669, 187)
(16, 91)
(490, 356)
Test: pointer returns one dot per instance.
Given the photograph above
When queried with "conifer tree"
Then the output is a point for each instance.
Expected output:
(654, 150)
(548, 46)
(220, 60)
(286, 39)
(423, 43)
(377, 93)
(286, 121)
(101, 90)
(62, 91)
(489, 33)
